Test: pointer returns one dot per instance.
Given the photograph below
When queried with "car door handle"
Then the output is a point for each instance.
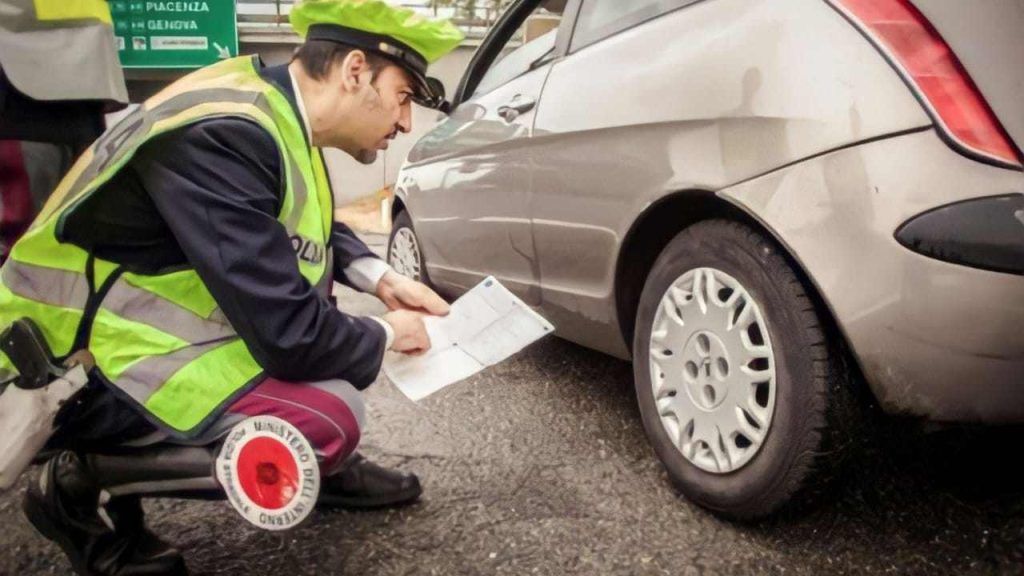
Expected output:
(518, 105)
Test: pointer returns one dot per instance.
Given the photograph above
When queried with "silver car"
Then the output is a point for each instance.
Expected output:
(762, 203)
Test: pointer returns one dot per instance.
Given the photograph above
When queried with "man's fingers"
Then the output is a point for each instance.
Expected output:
(408, 294)
(410, 332)
(433, 303)
(422, 343)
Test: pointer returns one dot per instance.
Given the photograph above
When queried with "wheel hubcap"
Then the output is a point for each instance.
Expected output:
(706, 369)
(404, 255)
(712, 370)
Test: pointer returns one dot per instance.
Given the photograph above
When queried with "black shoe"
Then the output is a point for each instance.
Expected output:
(363, 484)
(64, 507)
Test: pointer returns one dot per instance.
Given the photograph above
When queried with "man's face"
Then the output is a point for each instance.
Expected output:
(384, 109)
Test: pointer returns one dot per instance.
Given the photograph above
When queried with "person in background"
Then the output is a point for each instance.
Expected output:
(59, 75)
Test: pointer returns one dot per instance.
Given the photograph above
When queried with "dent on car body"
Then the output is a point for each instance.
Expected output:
(715, 106)
(781, 108)
(921, 329)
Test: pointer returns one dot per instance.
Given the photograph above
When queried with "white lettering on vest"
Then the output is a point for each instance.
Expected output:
(307, 250)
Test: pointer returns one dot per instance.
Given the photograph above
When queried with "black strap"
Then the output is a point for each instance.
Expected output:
(92, 304)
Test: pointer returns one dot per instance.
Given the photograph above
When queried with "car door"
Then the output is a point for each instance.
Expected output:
(591, 162)
(467, 181)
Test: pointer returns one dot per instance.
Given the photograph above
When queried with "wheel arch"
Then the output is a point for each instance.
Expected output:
(397, 207)
(660, 222)
(652, 230)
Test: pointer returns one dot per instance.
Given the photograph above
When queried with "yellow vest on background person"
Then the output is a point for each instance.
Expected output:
(160, 340)
(61, 50)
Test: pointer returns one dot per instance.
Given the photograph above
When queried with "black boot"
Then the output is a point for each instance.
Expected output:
(363, 484)
(63, 505)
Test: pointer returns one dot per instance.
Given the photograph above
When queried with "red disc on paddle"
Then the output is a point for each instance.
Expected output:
(268, 473)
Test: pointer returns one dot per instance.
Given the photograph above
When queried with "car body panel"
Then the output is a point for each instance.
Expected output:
(932, 338)
(724, 103)
(996, 64)
(470, 208)
(780, 109)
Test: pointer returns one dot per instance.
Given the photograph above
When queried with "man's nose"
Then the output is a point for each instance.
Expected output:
(405, 121)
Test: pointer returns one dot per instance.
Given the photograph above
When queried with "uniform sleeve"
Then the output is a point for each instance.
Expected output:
(355, 265)
(217, 184)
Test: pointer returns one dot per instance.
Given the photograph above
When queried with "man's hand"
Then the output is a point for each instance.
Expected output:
(400, 293)
(410, 333)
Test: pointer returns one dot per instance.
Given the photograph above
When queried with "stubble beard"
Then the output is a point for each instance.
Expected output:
(366, 156)
(371, 104)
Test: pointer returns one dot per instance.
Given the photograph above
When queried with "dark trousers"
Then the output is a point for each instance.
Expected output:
(330, 414)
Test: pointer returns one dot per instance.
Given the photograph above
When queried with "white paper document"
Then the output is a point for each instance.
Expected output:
(486, 326)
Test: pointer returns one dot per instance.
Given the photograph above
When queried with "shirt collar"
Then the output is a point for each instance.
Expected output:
(301, 106)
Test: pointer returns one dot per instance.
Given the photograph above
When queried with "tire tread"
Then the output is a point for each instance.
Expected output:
(820, 428)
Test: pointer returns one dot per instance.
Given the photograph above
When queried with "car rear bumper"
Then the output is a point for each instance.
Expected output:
(933, 338)
(951, 347)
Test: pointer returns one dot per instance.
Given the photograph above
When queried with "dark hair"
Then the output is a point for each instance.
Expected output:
(318, 56)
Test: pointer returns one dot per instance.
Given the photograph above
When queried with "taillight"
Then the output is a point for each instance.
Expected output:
(924, 59)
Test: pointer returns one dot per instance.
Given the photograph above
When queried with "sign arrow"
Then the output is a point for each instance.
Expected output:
(222, 52)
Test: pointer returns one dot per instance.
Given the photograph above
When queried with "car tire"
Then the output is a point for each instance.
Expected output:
(405, 255)
(800, 427)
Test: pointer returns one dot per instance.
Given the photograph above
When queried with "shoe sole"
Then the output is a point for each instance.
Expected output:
(365, 503)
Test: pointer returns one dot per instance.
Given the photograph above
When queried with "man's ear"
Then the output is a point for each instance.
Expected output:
(353, 70)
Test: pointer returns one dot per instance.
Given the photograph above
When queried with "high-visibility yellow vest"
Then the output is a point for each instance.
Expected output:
(61, 50)
(160, 339)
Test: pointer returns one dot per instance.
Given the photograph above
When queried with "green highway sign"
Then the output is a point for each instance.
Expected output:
(174, 33)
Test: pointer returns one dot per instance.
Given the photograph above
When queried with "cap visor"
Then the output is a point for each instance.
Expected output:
(426, 95)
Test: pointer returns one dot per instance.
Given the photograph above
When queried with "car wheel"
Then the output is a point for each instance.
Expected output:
(404, 254)
(733, 371)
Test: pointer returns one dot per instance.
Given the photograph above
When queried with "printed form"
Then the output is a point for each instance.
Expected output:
(486, 325)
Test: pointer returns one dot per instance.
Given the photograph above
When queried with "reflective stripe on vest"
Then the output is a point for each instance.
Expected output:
(128, 134)
(46, 285)
(161, 339)
(61, 50)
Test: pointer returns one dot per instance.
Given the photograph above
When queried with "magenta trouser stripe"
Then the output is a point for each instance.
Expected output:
(325, 419)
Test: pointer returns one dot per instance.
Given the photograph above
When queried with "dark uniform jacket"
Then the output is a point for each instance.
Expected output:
(207, 196)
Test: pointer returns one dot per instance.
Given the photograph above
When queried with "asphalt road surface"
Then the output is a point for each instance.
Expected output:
(540, 466)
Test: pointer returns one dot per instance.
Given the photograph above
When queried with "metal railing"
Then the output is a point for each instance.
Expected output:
(475, 17)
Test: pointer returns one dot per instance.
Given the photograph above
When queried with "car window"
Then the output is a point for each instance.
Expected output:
(517, 62)
(599, 19)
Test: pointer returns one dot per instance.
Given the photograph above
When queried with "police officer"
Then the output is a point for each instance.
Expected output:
(191, 251)
(59, 74)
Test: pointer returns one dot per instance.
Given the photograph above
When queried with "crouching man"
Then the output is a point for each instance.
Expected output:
(191, 251)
